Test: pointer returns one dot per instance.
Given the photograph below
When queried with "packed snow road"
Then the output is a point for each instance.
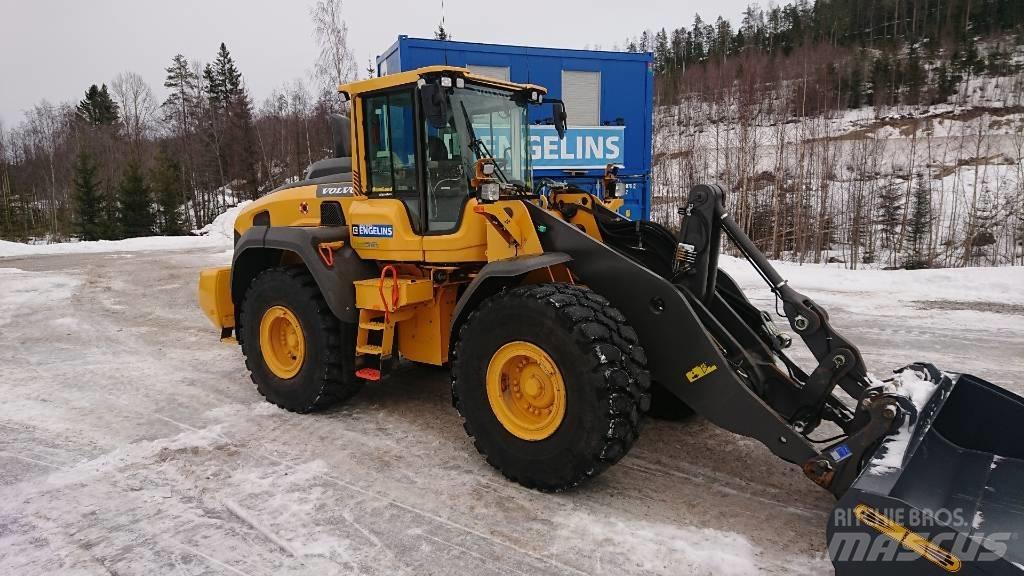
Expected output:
(133, 442)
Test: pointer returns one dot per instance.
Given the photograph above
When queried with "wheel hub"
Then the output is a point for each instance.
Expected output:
(526, 391)
(281, 342)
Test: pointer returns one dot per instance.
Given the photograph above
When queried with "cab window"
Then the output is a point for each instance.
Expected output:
(391, 149)
(447, 184)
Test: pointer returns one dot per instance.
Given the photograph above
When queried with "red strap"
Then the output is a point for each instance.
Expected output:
(326, 254)
(388, 309)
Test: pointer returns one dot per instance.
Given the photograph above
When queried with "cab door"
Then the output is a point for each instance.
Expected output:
(387, 223)
(453, 232)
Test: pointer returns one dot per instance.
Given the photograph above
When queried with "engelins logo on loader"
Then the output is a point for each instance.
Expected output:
(373, 230)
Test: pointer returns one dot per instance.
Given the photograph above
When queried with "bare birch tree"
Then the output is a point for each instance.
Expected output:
(138, 106)
(335, 64)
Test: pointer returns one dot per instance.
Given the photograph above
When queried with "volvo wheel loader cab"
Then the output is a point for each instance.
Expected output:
(427, 238)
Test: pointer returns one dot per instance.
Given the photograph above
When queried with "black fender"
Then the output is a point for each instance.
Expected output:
(262, 247)
(496, 276)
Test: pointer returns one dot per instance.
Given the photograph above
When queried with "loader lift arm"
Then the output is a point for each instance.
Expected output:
(804, 400)
(710, 347)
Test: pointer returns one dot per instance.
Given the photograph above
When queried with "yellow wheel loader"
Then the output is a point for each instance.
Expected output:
(426, 237)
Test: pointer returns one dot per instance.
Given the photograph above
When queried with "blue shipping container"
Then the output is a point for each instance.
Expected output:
(608, 98)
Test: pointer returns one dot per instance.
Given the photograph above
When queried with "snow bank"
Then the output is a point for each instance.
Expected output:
(220, 232)
(993, 284)
(223, 227)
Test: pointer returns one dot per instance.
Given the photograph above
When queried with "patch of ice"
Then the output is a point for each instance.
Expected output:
(24, 291)
(665, 548)
(205, 439)
(979, 518)
(66, 322)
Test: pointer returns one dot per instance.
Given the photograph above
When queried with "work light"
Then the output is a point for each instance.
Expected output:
(489, 191)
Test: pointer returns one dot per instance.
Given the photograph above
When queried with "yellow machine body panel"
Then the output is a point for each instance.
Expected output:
(298, 206)
(379, 229)
(511, 232)
(468, 243)
(215, 296)
(425, 336)
(410, 291)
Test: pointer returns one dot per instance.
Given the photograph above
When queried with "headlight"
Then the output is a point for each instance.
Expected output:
(489, 191)
(446, 82)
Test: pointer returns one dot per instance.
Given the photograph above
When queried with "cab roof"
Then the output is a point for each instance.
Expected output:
(412, 76)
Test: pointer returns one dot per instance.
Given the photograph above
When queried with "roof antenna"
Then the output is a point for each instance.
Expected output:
(441, 33)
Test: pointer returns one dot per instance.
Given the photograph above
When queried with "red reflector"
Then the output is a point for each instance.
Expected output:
(371, 374)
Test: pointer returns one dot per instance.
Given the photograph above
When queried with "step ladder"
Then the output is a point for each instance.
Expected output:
(383, 303)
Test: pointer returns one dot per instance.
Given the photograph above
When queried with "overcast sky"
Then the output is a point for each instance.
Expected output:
(55, 49)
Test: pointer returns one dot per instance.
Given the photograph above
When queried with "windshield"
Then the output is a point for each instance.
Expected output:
(478, 122)
(484, 122)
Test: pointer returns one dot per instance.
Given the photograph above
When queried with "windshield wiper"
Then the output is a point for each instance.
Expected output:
(478, 146)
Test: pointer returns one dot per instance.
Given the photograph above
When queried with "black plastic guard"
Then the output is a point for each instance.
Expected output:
(259, 248)
(959, 486)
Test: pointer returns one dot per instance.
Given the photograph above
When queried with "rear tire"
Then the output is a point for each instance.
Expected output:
(321, 370)
(601, 365)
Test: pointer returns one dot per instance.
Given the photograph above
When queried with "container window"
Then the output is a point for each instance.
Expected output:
(581, 92)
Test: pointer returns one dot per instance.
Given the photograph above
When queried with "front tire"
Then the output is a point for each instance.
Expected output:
(299, 355)
(551, 384)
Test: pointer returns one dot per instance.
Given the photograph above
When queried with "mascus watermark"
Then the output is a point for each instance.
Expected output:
(895, 542)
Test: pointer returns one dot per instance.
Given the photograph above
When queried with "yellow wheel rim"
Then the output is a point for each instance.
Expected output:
(526, 391)
(282, 343)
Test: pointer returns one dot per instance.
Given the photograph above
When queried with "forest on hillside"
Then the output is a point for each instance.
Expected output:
(120, 163)
(872, 132)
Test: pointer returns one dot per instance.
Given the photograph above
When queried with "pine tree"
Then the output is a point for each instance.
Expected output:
(441, 33)
(919, 227)
(165, 178)
(890, 215)
(135, 206)
(111, 225)
(914, 76)
(182, 83)
(98, 108)
(856, 88)
(223, 80)
(89, 205)
(661, 51)
(244, 158)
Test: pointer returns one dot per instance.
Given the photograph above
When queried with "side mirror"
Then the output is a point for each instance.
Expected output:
(341, 133)
(560, 118)
(432, 102)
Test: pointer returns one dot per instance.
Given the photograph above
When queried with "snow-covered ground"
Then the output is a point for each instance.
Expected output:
(133, 442)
